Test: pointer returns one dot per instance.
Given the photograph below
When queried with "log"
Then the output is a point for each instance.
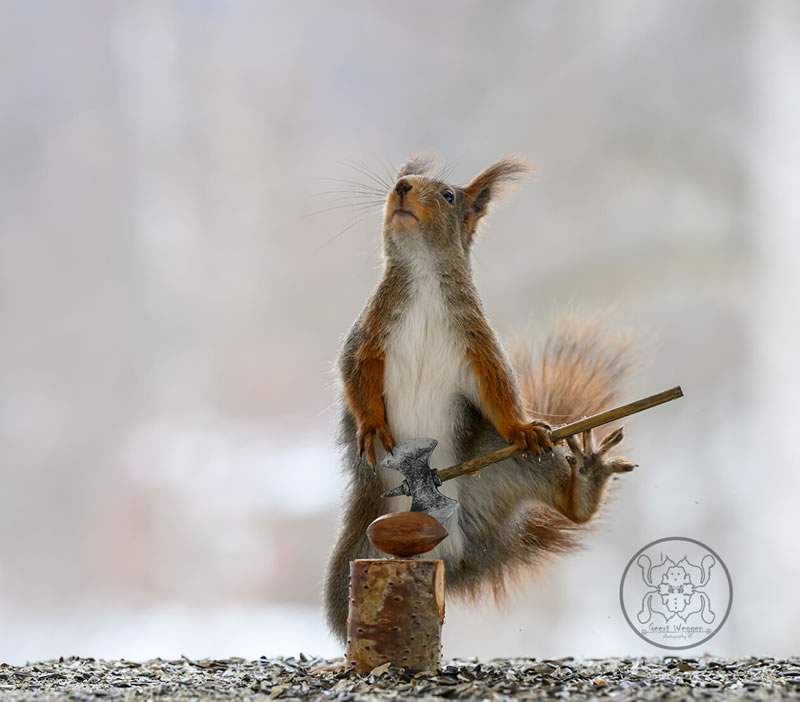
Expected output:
(396, 614)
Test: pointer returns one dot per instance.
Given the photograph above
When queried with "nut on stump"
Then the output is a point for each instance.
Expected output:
(405, 533)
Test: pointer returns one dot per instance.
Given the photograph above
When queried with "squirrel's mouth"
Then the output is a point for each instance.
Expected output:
(403, 213)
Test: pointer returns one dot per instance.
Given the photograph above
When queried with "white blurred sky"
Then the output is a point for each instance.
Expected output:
(170, 307)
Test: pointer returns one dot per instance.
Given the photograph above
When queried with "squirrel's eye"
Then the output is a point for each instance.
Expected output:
(449, 195)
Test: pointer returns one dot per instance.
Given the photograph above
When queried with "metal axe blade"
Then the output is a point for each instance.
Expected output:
(421, 484)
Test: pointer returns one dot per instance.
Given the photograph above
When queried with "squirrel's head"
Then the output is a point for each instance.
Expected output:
(423, 210)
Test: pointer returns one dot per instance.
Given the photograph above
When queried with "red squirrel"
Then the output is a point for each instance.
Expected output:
(422, 360)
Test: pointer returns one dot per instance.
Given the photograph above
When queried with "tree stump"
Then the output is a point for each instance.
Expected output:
(396, 613)
(397, 605)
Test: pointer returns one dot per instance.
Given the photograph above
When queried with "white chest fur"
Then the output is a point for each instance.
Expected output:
(425, 371)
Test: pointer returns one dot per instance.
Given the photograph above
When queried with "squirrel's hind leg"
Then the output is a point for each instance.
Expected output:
(590, 469)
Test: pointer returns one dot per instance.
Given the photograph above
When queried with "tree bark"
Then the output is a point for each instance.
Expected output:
(396, 613)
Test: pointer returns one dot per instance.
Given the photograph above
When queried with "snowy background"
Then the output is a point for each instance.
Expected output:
(174, 289)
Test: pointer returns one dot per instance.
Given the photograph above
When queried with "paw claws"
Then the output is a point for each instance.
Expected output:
(610, 440)
(588, 442)
(367, 439)
(572, 442)
(532, 438)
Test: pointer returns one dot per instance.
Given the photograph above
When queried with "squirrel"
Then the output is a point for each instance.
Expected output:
(422, 360)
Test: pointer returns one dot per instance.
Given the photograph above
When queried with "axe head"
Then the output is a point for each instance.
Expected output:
(421, 484)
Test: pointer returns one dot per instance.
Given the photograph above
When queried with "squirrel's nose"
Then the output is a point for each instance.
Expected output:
(402, 187)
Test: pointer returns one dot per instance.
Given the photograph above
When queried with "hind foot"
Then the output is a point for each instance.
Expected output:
(590, 469)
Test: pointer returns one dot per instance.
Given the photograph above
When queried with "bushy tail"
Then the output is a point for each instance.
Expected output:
(580, 371)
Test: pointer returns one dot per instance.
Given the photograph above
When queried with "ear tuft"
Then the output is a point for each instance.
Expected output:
(419, 164)
(493, 181)
(486, 187)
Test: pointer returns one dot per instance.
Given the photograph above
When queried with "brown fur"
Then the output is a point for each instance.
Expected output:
(485, 187)
(542, 534)
(582, 355)
(362, 364)
(524, 509)
(420, 164)
(579, 372)
(501, 404)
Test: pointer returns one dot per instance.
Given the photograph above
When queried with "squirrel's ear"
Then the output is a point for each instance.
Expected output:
(419, 164)
(487, 186)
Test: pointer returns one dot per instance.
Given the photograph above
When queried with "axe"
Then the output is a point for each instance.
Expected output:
(421, 484)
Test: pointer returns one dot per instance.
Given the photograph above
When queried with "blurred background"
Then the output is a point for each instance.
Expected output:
(174, 288)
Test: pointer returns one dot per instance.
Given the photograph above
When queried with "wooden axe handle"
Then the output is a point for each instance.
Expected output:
(596, 420)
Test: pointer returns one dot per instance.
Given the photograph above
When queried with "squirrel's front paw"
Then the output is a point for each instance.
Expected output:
(532, 437)
(366, 441)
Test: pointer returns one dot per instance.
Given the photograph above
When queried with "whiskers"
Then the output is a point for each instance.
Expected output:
(362, 195)
(444, 172)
